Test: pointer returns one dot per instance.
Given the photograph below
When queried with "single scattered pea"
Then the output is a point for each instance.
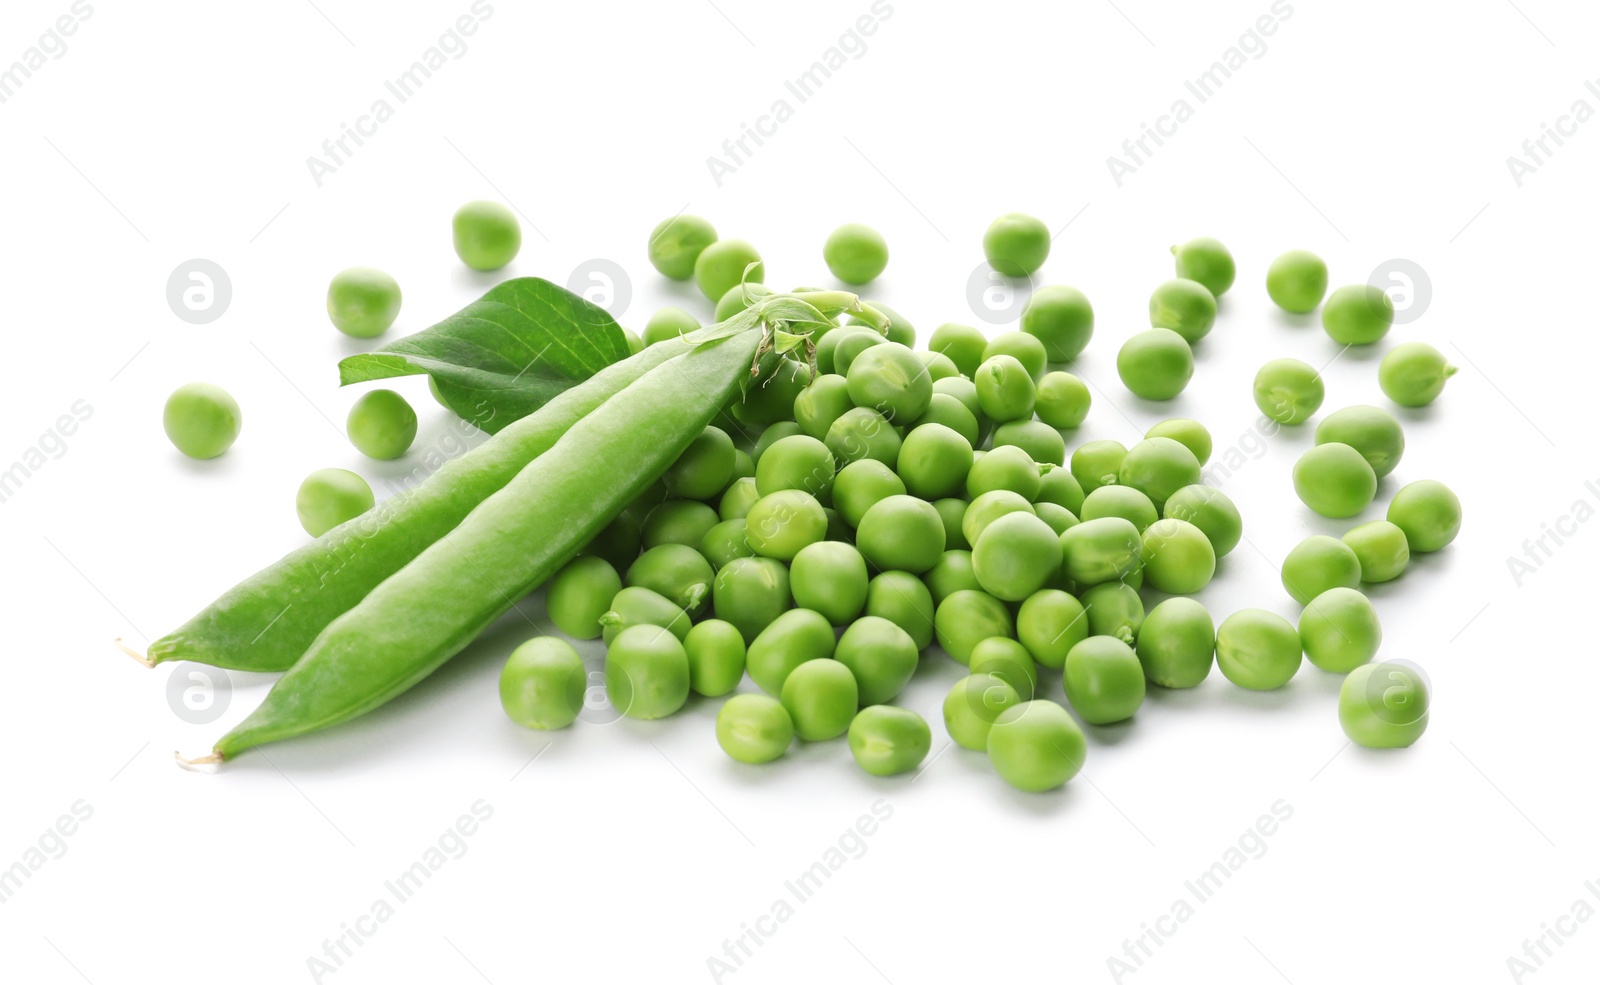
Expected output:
(1382, 549)
(904, 600)
(1104, 680)
(856, 254)
(580, 593)
(737, 499)
(750, 593)
(781, 523)
(716, 657)
(798, 461)
(381, 425)
(1189, 433)
(1178, 559)
(363, 302)
(1155, 364)
(1339, 630)
(1043, 443)
(1050, 623)
(1005, 658)
(1062, 400)
(1124, 501)
(938, 365)
(1428, 513)
(1016, 555)
(988, 507)
(795, 637)
(724, 264)
(900, 533)
(1357, 314)
(676, 572)
(862, 432)
(1096, 463)
(669, 323)
(1288, 391)
(1176, 643)
(821, 403)
(831, 578)
(1060, 486)
(820, 697)
(639, 606)
(1413, 374)
(1335, 480)
(542, 684)
(487, 236)
(726, 541)
(647, 673)
(887, 741)
(329, 497)
(971, 707)
(1114, 609)
(966, 618)
(1186, 307)
(1099, 551)
(1211, 511)
(880, 654)
(1006, 391)
(963, 345)
(1372, 431)
(1207, 261)
(676, 243)
(754, 728)
(202, 420)
(1317, 564)
(1036, 746)
(1061, 318)
(861, 485)
(678, 521)
(1006, 467)
(1059, 518)
(1016, 244)
(934, 461)
(1297, 280)
(1159, 467)
(1024, 348)
(1384, 705)
(952, 574)
(1257, 649)
(706, 467)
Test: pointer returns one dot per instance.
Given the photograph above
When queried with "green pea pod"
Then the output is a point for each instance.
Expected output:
(268, 620)
(521, 535)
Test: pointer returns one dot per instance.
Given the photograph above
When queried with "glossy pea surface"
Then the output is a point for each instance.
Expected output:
(1036, 746)
(887, 741)
(754, 728)
(1104, 680)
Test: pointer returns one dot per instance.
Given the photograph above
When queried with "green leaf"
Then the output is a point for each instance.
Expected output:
(504, 355)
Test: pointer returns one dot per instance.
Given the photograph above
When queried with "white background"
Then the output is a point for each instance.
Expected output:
(1367, 131)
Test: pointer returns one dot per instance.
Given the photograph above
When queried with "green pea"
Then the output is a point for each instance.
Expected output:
(934, 461)
(1190, 434)
(201, 420)
(678, 521)
(1339, 630)
(1099, 551)
(751, 592)
(716, 657)
(1381, 548)
(1006, 467)
(821, 698)
(988, 507)
(636, 606)
(579, 594)
(1384, 705)
(966, 618)
(363, 302)
(647, 673)
(901, 533)
(1429, 514)
(1185, 307)
(329, 497)
(862, 432)
(952, 511)
(737, 499)
(738, 298)
(1205, 260)
(1042, 442)
(1257, 649)
(953, 414)
(1159, 467)
(382, 425)
(891, 380)
(1211, 511)
(1177, 558)
(723, 264)
(900, 330)
(1050, 623)
(1176, 643)
(705, 467)
(1061, 318)
(1371, 431)
(1288, 391)
(852, 345)
(753, 728)
(771, 435)
(1357, 314)
(904, 600)
(1006, 391)
(1016, 244)
(1334, 480)
(855, 254)
(798, 462)
(1115, 609)
(677, 573)
(880, 654)
(952, 573)
(1036, 746)
(1005, 658)
(1297, 280)
(1024, 348)
(887, 741)
(830, 578)
(861, 485)
(966, 391)
(771, 397)
(487, 236)
(669, 323)
(1317, 564)
(1060, 487)
(962, 344)
(1058, 518)
(635, 346)
(676, 243)
(1104, 680)
(1155, 364)
(820, 404)
(1016, 555)
(971, 707)
(1062, 400)
(1413, 374)
(726, 541)
(790, 640)
(781, 523)
(543, 683)
(618, 542)
(1096, 464)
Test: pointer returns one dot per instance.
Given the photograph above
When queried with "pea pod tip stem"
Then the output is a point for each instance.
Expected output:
(135, 654)
(202, 764)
